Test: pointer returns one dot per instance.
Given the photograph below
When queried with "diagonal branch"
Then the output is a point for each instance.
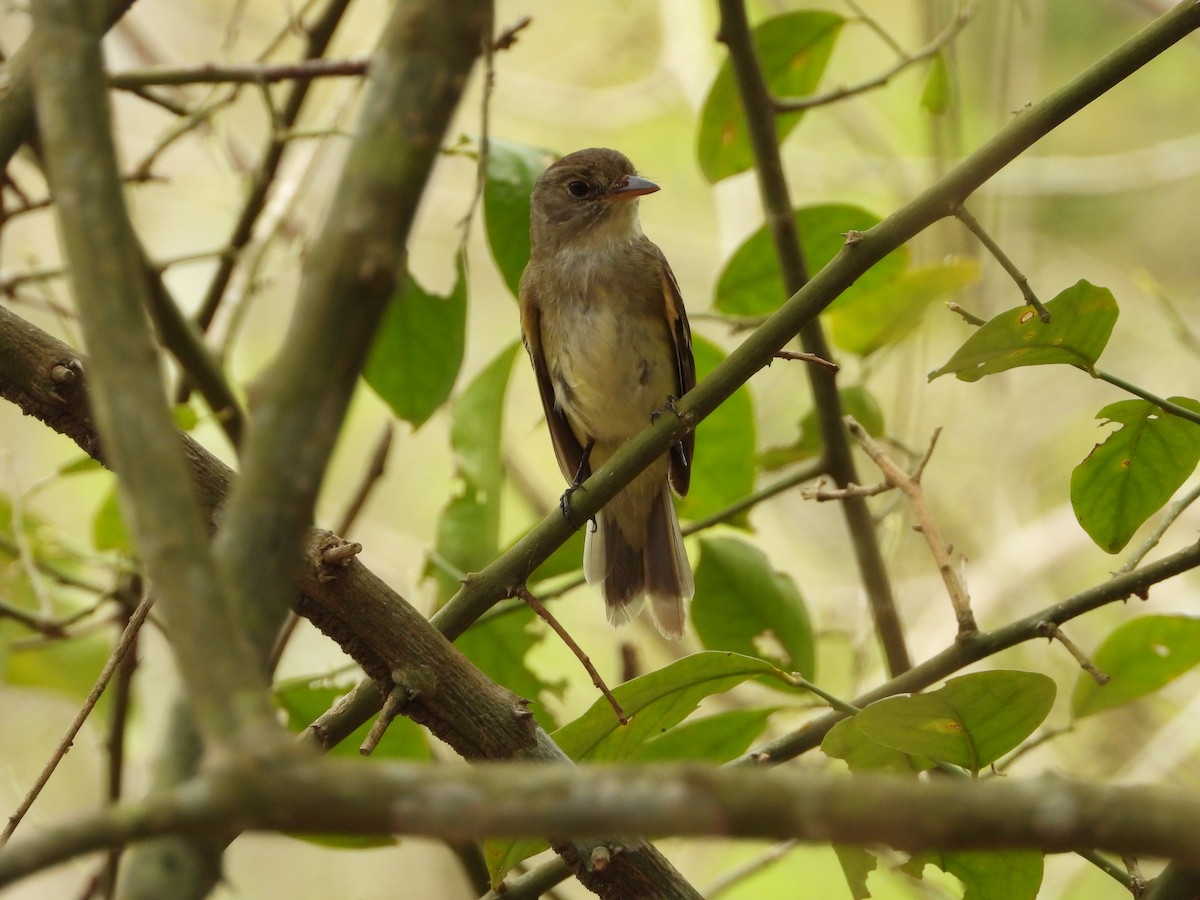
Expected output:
(229, 699)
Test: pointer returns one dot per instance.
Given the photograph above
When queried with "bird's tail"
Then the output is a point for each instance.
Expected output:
(632, 556)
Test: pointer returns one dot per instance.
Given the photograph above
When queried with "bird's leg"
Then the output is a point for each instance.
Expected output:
(564, 502)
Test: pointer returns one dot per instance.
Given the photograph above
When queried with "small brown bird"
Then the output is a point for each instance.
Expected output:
(606, 331)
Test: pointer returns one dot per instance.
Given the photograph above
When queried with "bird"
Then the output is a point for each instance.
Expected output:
(603, 322)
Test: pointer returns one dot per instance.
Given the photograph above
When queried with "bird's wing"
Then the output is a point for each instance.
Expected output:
(566, 446)
(680, 472)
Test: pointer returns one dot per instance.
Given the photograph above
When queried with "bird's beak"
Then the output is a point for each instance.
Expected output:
(633, 186)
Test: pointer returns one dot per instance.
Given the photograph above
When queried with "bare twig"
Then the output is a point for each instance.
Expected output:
(808, 358)
(123, 644)
(546, 616)
(1001, 257)
(822, 494)
(391, 708)
(1052, 632)
(1172, 512)
(247, 73)
(738, 874)
(910, 485)
(967, 316)
(906, 60)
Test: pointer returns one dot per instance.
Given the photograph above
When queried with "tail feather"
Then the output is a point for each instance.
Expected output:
(668, 574)
(611, 561)
(653, 561)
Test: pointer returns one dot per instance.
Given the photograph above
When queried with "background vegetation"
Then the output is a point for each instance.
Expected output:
(259, 192)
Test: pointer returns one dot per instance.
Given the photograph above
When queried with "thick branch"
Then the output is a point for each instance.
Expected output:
(132, 413)
(16, 100)
(389, 638)
(349, 796)
(417, 76)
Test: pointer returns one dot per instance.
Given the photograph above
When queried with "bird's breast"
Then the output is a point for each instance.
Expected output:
(609, 356)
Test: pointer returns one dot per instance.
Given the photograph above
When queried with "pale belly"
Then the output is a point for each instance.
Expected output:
(611, 369)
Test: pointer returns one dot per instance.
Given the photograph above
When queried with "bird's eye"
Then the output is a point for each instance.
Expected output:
(578, 189)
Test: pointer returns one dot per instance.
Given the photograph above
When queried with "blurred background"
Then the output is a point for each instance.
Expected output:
(1110, 196)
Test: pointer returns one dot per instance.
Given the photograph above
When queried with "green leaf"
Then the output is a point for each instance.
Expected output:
(868, 319)
(857, 865)
(939, 88)
(1082, 318)
(847, 742)
(792, 51)
(419, 349)
(751, 283)
(469, 528)
(986, 874)
(500, 645)
(108, 524)
(745, 606)
(857, 401)
(716, 739)
(724, 466)
(512, 169)
(1139, 657)
(305, 700)
(970, 722)
(1137, 469)
(654, 703)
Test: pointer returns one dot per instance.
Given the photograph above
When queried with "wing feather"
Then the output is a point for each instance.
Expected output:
(566, 446)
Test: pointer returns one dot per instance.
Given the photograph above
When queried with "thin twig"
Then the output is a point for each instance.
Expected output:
(738, 874)
(910, 485)
(546, 616)
(822, 494)
(1162, 403)
(801, 475)
(375, 470)
(391, 708)
(969, 317)
(1052, 632)
(110, 666)
(808, 358)
(246, 73)
(906, 60)
(502, 41)
(1171, 512)
(129, 591)
(1001, 257)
